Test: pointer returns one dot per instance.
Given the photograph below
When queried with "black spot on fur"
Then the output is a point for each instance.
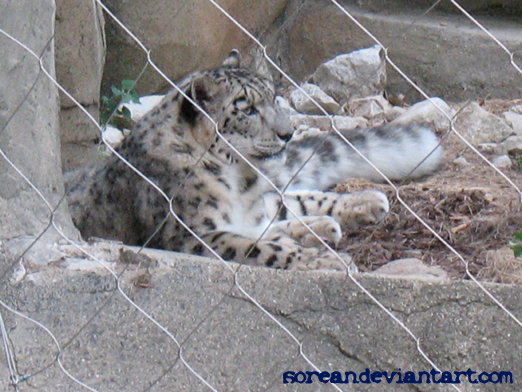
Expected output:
(223, 181)
(226, 218)
(217, 236)
(275, 248)
(212, 203)
(288, 260)
(254, 253)
(229, 254)
(188, 112)
(198, 250)
(271, 260)
(212, 167)
(249, 183)
(330, 209)
(302, 206)
(283, 212)
(209, 223)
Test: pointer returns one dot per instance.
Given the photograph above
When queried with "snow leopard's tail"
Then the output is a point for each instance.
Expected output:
(398, 151)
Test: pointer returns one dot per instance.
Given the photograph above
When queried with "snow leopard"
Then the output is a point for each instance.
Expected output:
(214, 170)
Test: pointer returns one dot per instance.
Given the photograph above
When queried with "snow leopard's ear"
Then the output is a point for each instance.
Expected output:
(259, 64)
(233, 59)
(202, 89)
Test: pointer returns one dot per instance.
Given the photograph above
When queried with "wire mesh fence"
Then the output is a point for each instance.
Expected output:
(182, 344)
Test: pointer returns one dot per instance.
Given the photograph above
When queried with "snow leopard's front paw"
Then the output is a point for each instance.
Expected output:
(323, 227)
(311, 259)
(361, 209)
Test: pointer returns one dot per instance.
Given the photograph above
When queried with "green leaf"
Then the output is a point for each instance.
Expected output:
(125, 113)
(127, 84)
(517, 250)
(518, 236)
(134, 96)
(116, 91)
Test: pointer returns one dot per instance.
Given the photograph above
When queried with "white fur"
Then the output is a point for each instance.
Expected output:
(396, 159)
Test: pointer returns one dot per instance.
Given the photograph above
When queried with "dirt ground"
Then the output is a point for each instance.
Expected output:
(470, 206)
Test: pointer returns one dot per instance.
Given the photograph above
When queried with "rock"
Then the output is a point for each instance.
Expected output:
(324, 123)
(489, 147)
(515, 119)
(303, 104)
(283, 103)
(359, 74)
(502, 162)
(425, 112)
(501, 266)
(80, 57)
(442, 53)
(138, 110)
(512, 146)
(182, 36)
(393, 112)
(411, 268)
(461, 161)
(479, 126)
(372, 108)
(113, 136)
(29, 123)
(115, 348)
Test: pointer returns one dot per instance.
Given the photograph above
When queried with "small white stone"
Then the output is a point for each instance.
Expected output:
(113, 136)
(433, 112)
(502, 162)
(512, 145)
(304, 104)
(515, 119)
(488, 147)
(358, 74)
(461, 161)
(147, 103)
(480, 126)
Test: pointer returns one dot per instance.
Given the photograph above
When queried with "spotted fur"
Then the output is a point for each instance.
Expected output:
(213, 190)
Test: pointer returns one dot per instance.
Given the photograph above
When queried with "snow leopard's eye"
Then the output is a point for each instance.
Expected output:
(250, 111)
(243, 105)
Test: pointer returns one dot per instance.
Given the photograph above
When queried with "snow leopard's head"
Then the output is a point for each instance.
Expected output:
(241, 103)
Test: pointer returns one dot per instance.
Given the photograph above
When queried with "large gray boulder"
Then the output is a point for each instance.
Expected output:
(29, 135)
(443, 52)
(234, 345)
(80, 57)
(182, 37)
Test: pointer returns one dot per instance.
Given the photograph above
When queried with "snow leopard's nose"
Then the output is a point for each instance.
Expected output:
(285, 136)
(283, 128)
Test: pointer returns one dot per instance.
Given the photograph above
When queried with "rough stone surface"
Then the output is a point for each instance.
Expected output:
(512, 145)
(303, 104)
(358, 74)
(29, 123)
(411, 268)
(435, 113)
(182, 37)
(374, 108)
(515, 119)
(502, 162)
(109, 345)
(324, 123)
(80, 56)
(443, 53)
(480, 126)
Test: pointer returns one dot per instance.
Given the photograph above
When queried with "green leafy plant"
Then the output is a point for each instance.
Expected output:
(113, 110)
(518, 161)
(516, 244)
